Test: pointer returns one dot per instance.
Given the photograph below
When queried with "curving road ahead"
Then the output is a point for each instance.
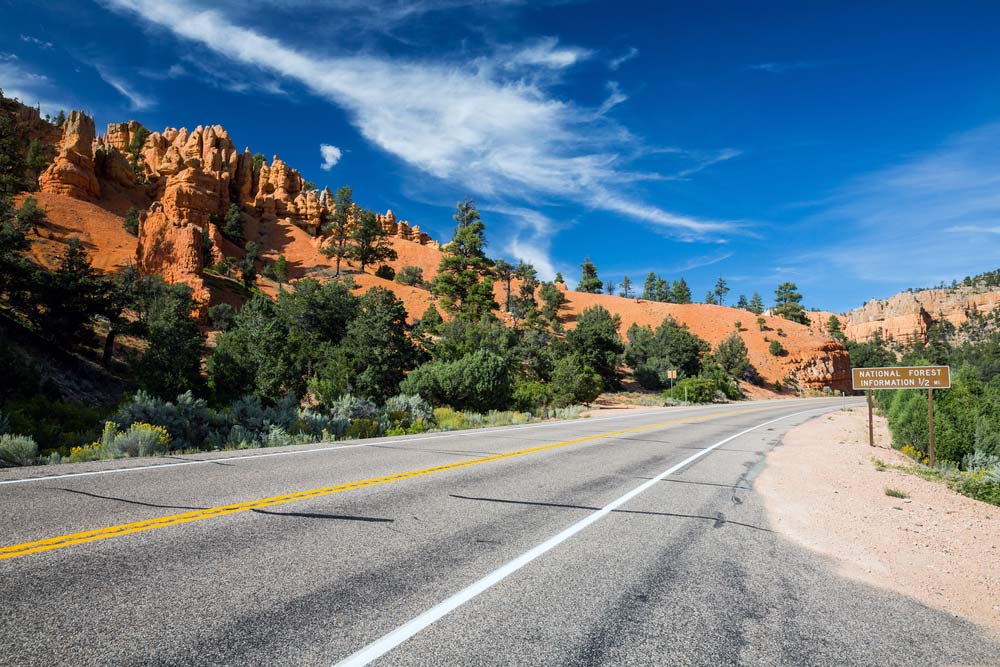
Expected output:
(626, 540)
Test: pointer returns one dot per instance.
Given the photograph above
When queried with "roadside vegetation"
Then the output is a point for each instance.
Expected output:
(967, 416)
(103, 366)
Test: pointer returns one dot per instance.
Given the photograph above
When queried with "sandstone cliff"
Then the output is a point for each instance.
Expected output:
(72, 172)
(906, 316)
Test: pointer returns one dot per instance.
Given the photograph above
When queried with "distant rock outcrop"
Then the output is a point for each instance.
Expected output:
(72, 172)
(905, 317)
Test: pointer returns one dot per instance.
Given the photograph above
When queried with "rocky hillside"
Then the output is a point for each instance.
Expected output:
(185, 181)
(905, 317)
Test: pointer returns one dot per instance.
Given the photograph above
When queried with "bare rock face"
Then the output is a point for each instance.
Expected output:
(828, 365)
(172, 249)
(119, 135)
(906, 316)
(72, 171)
(111, 165)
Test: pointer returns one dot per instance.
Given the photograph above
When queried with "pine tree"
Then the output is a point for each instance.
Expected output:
(681, 292)
(626, 287)
(338, 227)
(71, 297)
(756, 304)
(721, 290)
(788, 303)
(248, 269)
(662, 290)
(232, 225)
(610, 287)
(742, 302)
(710, 298)
(36, 160)
(369, 243)
(505, 272)
(649, 287)
(281, 270)
(61, 118)
(559, 278)
(835, 329)
(524, 306)
(464, 284)
(431, 321)
(589, 282)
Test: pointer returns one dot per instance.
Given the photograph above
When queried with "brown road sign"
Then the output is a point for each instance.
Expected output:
(902, 377)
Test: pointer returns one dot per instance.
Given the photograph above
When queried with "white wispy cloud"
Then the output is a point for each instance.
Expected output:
(136, 100)
(496, 133)
(36, 41)
(546, 52)
(930, 218)
(331, 156)
(615, 63)
(615, 97)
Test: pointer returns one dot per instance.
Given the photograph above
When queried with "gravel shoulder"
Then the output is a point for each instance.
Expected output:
(823, 489)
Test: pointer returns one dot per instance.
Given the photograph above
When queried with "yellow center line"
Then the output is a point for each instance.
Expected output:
(62, 541)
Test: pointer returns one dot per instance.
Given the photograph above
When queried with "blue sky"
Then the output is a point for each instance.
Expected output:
(851, 148)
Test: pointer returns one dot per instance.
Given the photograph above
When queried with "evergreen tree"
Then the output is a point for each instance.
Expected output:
(505, 272)
(788, 303)
(710, 298)
(626, 287)
(731, 355)
(36, 161)
(610, 287)
(649, 287)
(248, 267)
(31, 215)
(559, 278)
(834, 328)
(281, 270)
(464, 284)
(721, 290)
(12, 165)
(596, 339)
(70, 298)
(524, 306)
(552, 302)
(756, 304)
(16, 271)
(369, 243)
(589, 282)
(61, 118)
(430, 321)
(232, 226)
(742, 303)
(338, 227)
(378, 346)
(662, 290)
(681, 292)
(171, 362)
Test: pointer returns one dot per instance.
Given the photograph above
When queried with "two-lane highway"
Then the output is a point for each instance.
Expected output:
(627, 540)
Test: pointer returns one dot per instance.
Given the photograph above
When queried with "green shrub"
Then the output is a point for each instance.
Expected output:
(574, 381)
(410, 275)
(479, 381)
(139, 439)
(17, 450)
(531, 394)
(777, 349)
(696, 390)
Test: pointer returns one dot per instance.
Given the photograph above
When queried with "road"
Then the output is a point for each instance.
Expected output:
(628, 540)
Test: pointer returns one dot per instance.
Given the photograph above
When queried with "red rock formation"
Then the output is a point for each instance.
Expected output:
(906, 316)
(172, 249)
(72, 172)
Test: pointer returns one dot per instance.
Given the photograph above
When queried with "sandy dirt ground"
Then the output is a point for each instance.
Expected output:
(823, 490)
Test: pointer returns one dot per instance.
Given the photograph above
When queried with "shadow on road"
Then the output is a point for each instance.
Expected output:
(718, 520)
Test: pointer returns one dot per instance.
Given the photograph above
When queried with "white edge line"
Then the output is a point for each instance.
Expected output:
(404, 632)
(327, 449)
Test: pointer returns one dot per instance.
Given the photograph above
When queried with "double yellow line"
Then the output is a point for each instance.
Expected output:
(71, 539)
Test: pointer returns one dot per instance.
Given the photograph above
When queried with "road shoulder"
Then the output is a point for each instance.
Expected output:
(823, 489)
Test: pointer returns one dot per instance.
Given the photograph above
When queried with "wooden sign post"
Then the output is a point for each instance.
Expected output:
(903, 377)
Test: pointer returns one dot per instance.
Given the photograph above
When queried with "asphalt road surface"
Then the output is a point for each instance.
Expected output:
(627, 540)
